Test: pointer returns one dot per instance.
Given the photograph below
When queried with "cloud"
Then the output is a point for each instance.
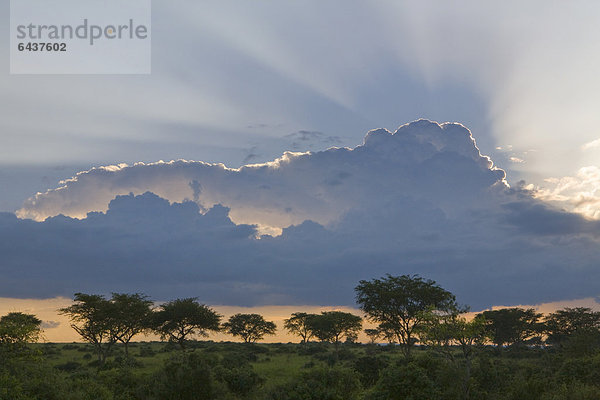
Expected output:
(591, 145)
(321, 186)
(419, 200)
(50, 324)
(579, 193)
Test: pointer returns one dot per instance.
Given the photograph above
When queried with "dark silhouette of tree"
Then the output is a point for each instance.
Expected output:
(249, 327)
(299, 324)
(400, 304)
(332, 326)
(511, 326)
(179, 319)
(373, 334)
(17, 329)
(573, 326)
(131, 316)
(92, 318)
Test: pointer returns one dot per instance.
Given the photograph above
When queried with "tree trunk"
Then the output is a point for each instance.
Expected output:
(467, 379)
(408, 346)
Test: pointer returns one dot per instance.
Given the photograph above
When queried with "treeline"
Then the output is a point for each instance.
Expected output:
(511, 353)
(407, 310)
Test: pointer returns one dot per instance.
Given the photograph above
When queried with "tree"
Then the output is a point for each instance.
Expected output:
(511, 326)
(570, 326)
(17, 329)
(400, 304)
(299, 324)
(445, 332)
(131, 316)
(92, 318)
(332, 326)
(179, 319)
(373, 334)
(250, 327)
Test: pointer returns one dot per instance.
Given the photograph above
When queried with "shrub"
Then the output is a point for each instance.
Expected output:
(186, 377)
(320, 384)
(404, 382)
(369, 368)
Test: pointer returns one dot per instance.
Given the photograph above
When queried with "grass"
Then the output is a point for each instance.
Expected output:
(276, 363)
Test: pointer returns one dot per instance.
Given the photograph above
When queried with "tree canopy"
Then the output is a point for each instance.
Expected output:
(333, 326)
(576, 328)
(92, 318)
(511, 326)
(249, 327)
(131, 313)
(300, 324)
(179, 319)
(18, 329)
(400, 304)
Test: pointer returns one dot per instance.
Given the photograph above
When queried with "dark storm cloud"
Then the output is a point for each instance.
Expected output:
(422, 200)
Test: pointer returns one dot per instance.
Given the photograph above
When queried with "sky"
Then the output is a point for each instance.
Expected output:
(281, 151)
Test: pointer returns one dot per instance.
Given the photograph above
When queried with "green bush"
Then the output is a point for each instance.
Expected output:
(186, 377)
(240, 380)
(369, 368)
(405, 382)
(320, 384)
(573, 391)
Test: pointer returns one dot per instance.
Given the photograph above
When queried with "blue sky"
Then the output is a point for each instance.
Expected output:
(241, 83)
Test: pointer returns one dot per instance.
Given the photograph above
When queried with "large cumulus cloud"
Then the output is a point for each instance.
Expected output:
(422, 159)
(421, 200)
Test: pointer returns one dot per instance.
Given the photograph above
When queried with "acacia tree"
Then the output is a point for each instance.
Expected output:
(179, 319)
(445, 332)
(300, 324)
(131, 316)
(332, 326)
(401, 304)
(373, 334)
(511, 326)
(580, 326)
(250, 327)
(17, 329)
(92, 317)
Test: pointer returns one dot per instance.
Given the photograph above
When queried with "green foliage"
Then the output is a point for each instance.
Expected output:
(573, 391)
(320, 384)
(300, 324)
(186, 377)
(92, 319)
(240, 379)
(131, 316)
(511, 326)
(406, 382)
(333, 326)
(249, 327)
(17, 329)
(400, 304)
(179, 319)
(575, 329)
(369, 368)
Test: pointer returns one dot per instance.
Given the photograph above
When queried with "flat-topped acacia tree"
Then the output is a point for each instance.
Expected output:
(333, 326)
(299, 324)
(401, 304)
(17, 329)
(131, 316)
(92, 317)
(103, 322)
(180, 319)
(249, 327)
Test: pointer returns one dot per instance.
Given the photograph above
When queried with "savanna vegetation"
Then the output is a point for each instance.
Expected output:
(421, 346)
